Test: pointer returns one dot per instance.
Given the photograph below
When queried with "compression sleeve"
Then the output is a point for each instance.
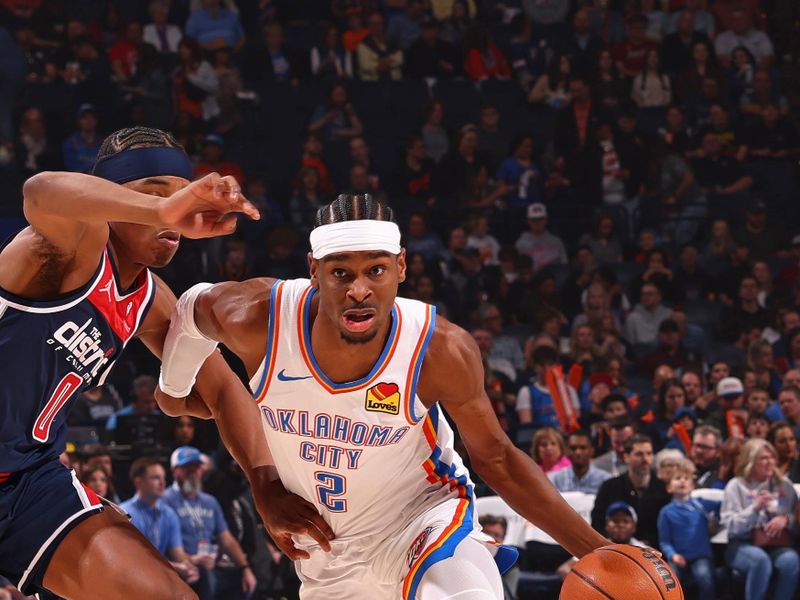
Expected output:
(186, 348)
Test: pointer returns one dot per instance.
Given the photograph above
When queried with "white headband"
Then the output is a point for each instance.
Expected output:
(355, 236)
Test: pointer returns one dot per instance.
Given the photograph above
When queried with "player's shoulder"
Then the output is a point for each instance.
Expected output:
(450, 342)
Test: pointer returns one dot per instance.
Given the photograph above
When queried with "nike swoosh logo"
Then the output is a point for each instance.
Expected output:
(283, 377)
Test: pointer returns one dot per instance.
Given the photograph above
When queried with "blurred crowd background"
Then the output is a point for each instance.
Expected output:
(603, 184)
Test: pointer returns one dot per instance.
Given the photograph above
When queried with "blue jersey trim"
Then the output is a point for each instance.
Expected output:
(270, 333)
(412, 391)
(310, 351)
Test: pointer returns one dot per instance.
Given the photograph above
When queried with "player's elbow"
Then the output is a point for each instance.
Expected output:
(35, 190)
(188, 406)
(492, 467)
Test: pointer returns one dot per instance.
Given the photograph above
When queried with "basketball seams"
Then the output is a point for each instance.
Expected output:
(615, 551)
(591, 584)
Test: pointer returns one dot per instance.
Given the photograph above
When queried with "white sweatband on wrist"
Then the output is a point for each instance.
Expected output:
(186, 348)
(355, 236)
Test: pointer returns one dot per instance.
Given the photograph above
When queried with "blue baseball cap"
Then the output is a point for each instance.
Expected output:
(185, 455)
(622, 506)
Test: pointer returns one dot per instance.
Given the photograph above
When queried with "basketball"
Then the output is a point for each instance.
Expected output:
(621, 572)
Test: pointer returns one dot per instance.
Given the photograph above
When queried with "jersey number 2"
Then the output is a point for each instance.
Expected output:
(64, 390)
(329, 489)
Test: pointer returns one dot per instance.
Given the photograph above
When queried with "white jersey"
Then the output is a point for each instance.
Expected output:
(367, 453)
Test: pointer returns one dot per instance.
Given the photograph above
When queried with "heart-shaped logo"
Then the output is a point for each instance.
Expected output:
(387, 389)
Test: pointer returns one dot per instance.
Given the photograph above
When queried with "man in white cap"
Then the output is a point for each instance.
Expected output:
(729, 416)
(538, 243)
(349, 378)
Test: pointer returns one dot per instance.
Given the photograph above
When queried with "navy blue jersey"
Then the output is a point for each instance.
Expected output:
(50, 351)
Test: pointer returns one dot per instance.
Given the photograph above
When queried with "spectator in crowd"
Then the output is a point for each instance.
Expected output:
(460, 168)
(214, 25)
(723, 179)
(405, 27)
(480, 238)
(548, 450)
(602, 240)
(435, 136)
(144, 401)
(761, 361)
(520, 172)
(214, 160)
(496, 364)
(94, 407)
(651, 87)
(706, 443)
(756, 401)
(763, 93)
(534, 402)
(787, 464)
(196, 83)
(552, 87)
(789, 402)
(33, 149)
(159, 33)
(306, 200)
(609, 88)
(582, 476)
(203, 527)
(275, 63)
(683, 531)
(702, 66)
(669, 351)
(378, 58)
(641, 326)
(620, 431)
(422, 240)
(414, 178)
(702, 20)
(758, 505)
(337, 119)
(355, 31)
(639, 487)
(757, 426)
(330, 60)
(745, 313)
(678, 47)
(630, 54)
(494, 138)
(483, 59)
(97, 479)
(124, 54)
(157, 521)
(538, 243)
(457, 23)
(430, 56)
(583, 46)
(742, 34)
(80, 148)
(505, 346)
(527, 56)
(773, 139)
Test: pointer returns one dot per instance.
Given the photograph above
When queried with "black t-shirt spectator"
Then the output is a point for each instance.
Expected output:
(715, 173)
(415, 186)
(676, 55)
(423, 60)
(735, 320)
(783, 136)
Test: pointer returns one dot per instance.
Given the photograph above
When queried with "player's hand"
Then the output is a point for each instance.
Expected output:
(286, 514)
(206, 207)
(249, 582)
(679, 560)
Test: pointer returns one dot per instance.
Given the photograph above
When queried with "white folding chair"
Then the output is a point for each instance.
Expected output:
(495, 505)
(582, 504)
(715, 495)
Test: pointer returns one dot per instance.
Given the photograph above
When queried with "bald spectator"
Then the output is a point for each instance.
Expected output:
(742, 34)
(506, 347)
(641, 326)
(702, 21)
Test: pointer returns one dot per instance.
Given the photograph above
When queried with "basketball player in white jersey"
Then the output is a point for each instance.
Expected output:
(350, 380)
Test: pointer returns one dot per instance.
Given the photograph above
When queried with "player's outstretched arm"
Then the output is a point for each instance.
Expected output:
(235, 314)
(453, 375)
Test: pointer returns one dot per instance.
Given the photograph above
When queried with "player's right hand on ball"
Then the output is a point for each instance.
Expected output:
(286, 514)
(207, 207)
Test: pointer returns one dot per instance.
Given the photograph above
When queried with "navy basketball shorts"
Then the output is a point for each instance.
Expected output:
(38, 508)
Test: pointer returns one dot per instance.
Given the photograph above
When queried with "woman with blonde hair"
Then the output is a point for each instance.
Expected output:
(759, 511)
(549, 450)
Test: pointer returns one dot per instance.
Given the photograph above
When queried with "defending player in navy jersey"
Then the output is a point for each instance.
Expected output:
(350, 380)
(75, 288)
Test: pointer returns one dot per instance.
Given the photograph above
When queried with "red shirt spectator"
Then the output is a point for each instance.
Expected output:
(213, 161)
(124, 55)
(630, 54)
(484, 59)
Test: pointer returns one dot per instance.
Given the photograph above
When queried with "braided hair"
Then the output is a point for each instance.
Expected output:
(136, 137)
(354, 207)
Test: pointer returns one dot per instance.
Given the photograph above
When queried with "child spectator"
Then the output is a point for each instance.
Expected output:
(757, 426)
(683, 531)
(534, 402)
